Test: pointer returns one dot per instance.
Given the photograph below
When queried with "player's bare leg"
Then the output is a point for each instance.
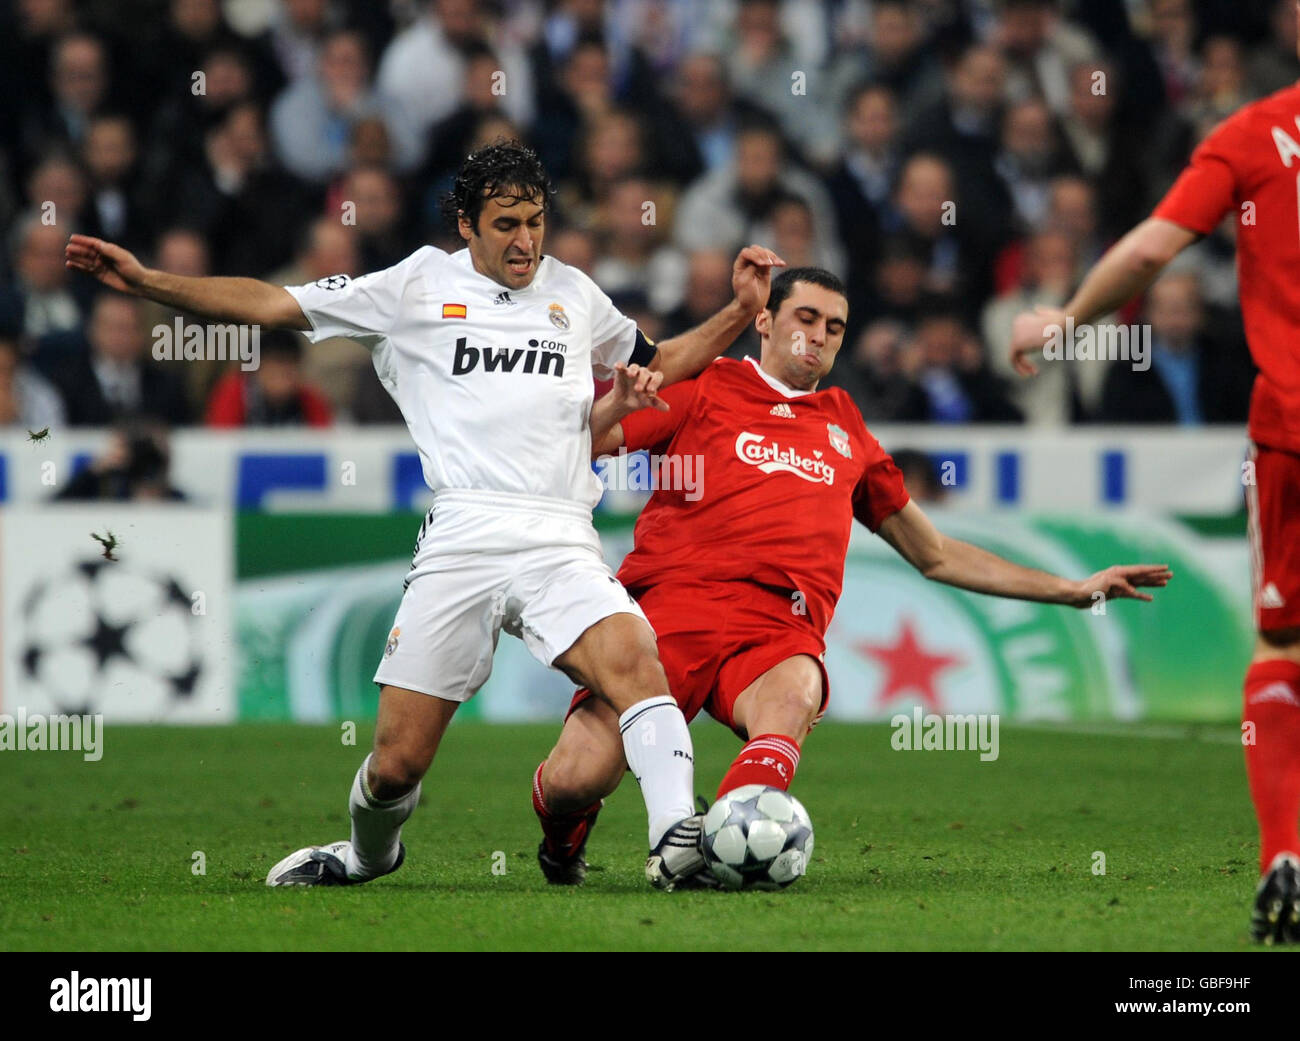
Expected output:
(616, 660)
(384, 792)
(586, 764)
(1271, 706)
(775, 712)
(408, 731)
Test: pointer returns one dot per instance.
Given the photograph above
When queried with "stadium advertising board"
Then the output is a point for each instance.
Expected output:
(311, 638)
(133, 626)
(376, 470)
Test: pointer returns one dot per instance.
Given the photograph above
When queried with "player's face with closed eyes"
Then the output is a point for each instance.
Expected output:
(801, 340)
(507, 245)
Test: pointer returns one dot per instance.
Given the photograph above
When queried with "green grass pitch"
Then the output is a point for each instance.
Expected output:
(915, 850)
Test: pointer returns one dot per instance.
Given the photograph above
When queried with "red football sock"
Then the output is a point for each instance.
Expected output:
(1272, 704)
(769, 759)
(566, 832)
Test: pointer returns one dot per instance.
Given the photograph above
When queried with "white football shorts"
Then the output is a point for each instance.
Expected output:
(487, 561)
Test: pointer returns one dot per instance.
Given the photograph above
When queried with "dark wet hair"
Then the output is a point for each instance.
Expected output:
(502, 170)
(783, 284)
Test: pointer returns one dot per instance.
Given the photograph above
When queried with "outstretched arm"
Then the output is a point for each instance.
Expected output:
(687, 355)
(961, 564)
(1127, 268)
(245, 300)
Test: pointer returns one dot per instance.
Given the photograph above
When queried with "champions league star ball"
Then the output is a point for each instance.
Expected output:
(101, 629)
(757, 837)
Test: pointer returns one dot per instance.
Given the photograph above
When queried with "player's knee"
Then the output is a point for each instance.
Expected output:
(394, 771)
(631, 675)
(793, 705)
(573, 783)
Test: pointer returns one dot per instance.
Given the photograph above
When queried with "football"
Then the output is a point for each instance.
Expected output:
(757, 837)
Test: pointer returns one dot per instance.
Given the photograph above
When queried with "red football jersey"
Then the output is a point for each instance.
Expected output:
(1250, 164)
(782, 473)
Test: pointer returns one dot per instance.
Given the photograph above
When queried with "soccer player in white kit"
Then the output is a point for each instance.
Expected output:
(490, 352)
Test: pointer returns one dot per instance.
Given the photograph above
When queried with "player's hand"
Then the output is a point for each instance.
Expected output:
(115, 267)
(1121, 582)
(751, 277)
(636, 387)
(1028, 336)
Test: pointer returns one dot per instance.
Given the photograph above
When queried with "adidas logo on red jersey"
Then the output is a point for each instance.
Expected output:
(1279, 691)
(783, 410)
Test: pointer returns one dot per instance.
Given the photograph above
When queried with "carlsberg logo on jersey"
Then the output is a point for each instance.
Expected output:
(541, 358)
(770, 457)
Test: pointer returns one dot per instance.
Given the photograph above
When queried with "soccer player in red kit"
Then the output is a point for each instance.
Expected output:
(1248, 166)
(739, 574)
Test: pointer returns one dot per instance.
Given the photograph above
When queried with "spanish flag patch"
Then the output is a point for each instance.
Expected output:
(453, 310)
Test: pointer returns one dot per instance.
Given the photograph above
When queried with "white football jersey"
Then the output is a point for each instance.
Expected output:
(495, 383)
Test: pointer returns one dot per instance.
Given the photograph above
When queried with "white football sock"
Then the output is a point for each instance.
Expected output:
(657, 744)
(376, 827)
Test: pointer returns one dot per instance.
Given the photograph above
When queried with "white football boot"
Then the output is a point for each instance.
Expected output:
(678, 861)
(322, 866)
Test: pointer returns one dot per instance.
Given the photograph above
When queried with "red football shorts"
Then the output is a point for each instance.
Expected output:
(716, 638)
(1273, 526)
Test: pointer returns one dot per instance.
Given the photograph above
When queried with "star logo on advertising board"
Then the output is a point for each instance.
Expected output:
(908, 667)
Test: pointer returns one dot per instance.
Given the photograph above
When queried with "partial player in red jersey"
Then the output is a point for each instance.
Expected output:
(739, 574)
(1248, 166)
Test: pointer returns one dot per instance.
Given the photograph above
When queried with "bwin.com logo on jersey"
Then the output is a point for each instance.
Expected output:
(541, 358)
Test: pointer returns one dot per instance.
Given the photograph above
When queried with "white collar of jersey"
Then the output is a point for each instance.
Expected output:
(462, 257)
(775, 383)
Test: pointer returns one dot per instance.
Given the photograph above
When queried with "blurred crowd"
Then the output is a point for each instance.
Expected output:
(955, 161)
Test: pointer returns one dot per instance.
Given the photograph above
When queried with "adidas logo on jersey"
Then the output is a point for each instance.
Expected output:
(502, 298)
(543, 357)
(1276, 692)
(1269, 597)
(783, 410)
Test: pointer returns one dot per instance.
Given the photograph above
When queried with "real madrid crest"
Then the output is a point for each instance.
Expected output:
(839, 440)
(557, 316)
(392, 642)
